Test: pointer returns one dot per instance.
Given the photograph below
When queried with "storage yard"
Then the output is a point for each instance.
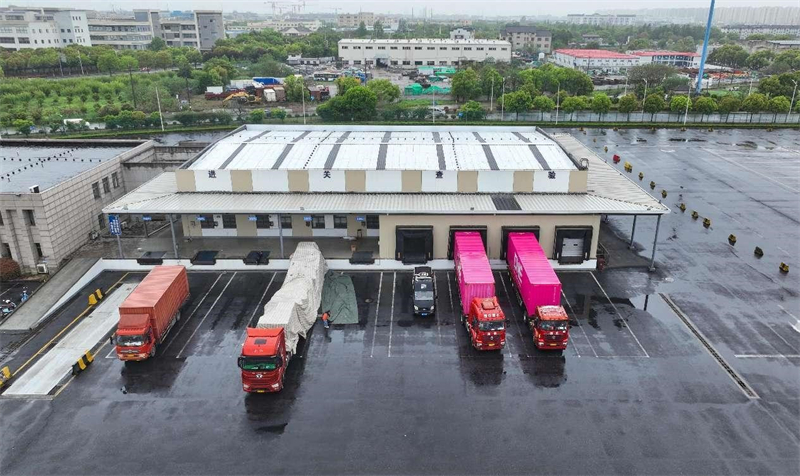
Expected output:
(691, 368)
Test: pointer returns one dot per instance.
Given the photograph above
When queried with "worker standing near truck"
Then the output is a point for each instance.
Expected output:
(292, 311)
(538, 291)
(325, 317)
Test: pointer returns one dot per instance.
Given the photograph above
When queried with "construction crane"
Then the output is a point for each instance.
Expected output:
(295, 6)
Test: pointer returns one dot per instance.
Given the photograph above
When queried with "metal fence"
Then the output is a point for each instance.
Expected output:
(661, 117)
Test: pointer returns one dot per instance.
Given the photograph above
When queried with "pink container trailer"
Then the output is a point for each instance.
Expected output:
(473, 272)
(534, 278)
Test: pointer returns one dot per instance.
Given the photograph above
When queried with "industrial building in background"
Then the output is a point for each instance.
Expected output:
(29, 27)
(413, 53)
(595, 60)
(353, 20)
(528, 37)
(601, 20)
(401, 191)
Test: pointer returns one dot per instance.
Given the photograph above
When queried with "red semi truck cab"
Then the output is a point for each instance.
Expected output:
(486, 324)
(264, 360)
(150, 311)
(550, 327)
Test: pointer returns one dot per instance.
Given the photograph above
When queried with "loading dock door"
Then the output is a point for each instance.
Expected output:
(514, 229)
(456, 228)
(572, 245)
(414, 244)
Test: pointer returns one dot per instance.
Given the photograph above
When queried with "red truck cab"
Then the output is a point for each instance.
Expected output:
(135, 341)
(550, 327)
(264, 360)
(486, 324)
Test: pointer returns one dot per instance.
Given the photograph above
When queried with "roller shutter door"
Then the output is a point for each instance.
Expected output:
(572, 248)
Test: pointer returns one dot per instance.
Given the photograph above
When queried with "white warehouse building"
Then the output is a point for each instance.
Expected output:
(399, 192)
(413, 53)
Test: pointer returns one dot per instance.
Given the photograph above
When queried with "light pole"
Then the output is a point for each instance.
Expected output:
(303, 96)
(503, 102)
(749, 92)
(688, 100)
(626, 84)
(644, 99)
(558, 100)
(491, 97)
(791, 104)
(433, 107)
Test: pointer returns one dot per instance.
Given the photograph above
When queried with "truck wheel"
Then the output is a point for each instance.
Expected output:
(153, 351)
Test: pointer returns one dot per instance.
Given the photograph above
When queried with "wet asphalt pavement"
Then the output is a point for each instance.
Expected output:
(636, 392)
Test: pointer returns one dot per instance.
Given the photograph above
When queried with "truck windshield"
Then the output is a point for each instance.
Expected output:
(423, 290)
(491, 325)
(553, 325)
(130, 341)
(260, 363)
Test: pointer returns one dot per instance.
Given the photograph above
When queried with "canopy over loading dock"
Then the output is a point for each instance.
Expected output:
(394, 183)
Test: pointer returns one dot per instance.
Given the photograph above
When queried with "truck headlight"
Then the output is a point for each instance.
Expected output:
(416, 308)
(433, 307)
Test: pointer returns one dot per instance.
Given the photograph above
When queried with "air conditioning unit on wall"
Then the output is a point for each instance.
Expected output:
(41, 268)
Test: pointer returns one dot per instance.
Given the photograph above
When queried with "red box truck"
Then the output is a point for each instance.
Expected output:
(480, 312)
(538, 290)
(287, 317)
(149, 312)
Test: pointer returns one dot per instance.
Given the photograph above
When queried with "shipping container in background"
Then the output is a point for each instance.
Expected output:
(473, 272)
(533, 275)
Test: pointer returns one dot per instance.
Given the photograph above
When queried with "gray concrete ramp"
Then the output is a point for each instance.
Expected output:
(29, 314)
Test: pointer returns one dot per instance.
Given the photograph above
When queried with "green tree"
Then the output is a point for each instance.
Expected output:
(654, 73)
(729, 104)
(678, 104)
(705, 105)
(361, 31)
(377, 30)
(653, 104)
(385, 90)
(573, 103)
(420, 113)
(465, 85)
(779, 105)
(760, 60)
(278, 113)
(755, 102)
(472, 111)
(162, 59)
(517, 102)
(601, 103)
(157, 44)
(193, 56)
(673, 83)
(23, 126)
(780, 85)
(491, 81)
(627, 104)
(295, 89)
(357, 104)
(733, 56)
(543, 104)
(185, 71)
(108, 63)
(256, 116)
(343, 83)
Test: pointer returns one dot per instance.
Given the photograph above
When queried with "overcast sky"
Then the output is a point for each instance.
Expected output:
(467, 7)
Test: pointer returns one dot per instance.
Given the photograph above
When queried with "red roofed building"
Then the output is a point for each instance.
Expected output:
(672, 58)
(595, 60)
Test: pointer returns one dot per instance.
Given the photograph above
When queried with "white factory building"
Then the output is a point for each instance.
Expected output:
(25, 28)
(412, 53)
(400, 191)
(595, 60)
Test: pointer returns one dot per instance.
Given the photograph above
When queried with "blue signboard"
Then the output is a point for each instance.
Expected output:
(307, 218)
(147, 218)
(113, 225)
(201, 218)
(252, 218)
(361, 218)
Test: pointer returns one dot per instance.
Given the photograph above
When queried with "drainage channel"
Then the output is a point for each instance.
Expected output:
(746, 388)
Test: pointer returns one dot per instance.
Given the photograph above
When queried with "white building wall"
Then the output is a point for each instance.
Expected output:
(422, 52)
(550, 181)
(270, 180)
(318, 181)
(384, 181)
(496, 181)
(447, 183)
(219, 182)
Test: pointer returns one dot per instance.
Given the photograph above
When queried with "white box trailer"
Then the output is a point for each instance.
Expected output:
(294, 306)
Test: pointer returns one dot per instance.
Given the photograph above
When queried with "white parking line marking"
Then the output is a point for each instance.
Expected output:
(436, 314)
(258, 306)
(450, 291)
(585, 335)
(781, 338)
(620, 315)
(767, 356)
(391, 313)
(377, 310)
(513, 317)
(204, 317)
(188, 318)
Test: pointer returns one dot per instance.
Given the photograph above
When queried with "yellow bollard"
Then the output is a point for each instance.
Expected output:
(784, 268)
(682, 206)
(652, 185)
(605, 148)
(695, 215)
(706, 222)
(99, 294)
(732, 239)
(663, 194)
(641, 175)
(92, 299)
(758, 252)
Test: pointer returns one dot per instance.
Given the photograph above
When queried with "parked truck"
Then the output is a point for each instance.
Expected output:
(424, 291)
(538, 291)
(150, 311)
(292, 311)
(480, 312)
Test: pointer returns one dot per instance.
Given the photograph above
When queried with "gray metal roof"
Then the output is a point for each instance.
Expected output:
(296, 147)
(606, 181)
(160, 196)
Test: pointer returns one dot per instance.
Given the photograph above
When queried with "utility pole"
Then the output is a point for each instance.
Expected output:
(688, 100)
(160, 116)
(491, 97)
(644, 99)
(558, 100)
(503, 102)
(791, 104)
(705, 50)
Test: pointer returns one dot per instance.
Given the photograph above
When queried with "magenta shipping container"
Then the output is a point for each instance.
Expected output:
(474, 275)
(534, 277)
